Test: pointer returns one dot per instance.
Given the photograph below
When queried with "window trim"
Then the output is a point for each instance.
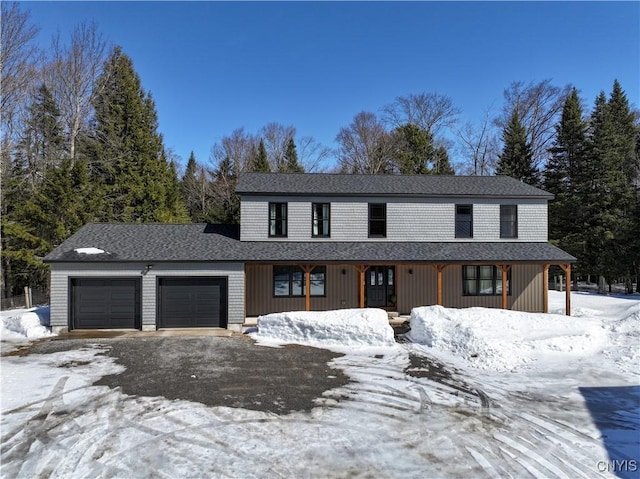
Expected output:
(326, 220)
(283, 219)
(457, 220)
(384, 220)
(290, 270)
(515, 221)
(496, 280)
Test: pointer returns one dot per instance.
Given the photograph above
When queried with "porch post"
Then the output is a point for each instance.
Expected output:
(307, 282)
(567, 271)
(361, 269)
(504, 268)
(439, 268)
(545, 288)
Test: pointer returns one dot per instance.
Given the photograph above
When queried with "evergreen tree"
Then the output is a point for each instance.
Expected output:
(516, 159)
(127, 153)
(261, 162)
(563, 176)
(226, 204)
(189, 187)
(441, 164)
(291, 164)
(42, 140)
(412, 149)
(608, 193)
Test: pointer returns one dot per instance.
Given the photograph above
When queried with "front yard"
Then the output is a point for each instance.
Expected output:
(228, 407)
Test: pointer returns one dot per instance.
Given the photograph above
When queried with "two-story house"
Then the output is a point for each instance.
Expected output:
(315, 242)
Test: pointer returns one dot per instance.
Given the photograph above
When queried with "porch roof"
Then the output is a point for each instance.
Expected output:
(220, 243)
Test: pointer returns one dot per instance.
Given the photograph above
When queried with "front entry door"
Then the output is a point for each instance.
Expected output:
(381, 292)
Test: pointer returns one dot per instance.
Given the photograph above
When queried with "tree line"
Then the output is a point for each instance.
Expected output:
(80, 143)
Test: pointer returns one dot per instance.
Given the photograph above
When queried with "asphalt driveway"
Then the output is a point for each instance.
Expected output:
(215, 371)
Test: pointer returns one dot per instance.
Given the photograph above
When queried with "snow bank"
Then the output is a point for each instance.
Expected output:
(503, 340)
(24, 324)
(343, 327)
(89, 250)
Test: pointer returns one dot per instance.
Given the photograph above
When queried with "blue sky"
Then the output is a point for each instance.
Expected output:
(216, 66)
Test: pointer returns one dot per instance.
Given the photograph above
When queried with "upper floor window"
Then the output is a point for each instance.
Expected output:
(320, 224)
(483, 281)
(508, 221)
(289, 281)
(377, 220)
(278, 219)
(464, 221)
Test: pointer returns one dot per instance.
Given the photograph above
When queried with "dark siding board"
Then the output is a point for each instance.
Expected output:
(105, 303)
(192, 302)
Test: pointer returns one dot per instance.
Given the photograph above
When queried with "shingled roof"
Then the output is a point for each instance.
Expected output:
(385, 185)
(219, 243)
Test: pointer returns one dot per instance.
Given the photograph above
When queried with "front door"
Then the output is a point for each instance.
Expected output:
(381, 291)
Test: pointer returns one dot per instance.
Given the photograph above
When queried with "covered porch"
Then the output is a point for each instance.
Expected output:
(398, 286)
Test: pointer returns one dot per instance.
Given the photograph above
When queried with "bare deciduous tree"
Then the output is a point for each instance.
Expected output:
(276, 138)
(430, 111)
(479, 147)
(312, 154)
(364, 145)
(18, 58)
(539, 106)
(238, 149)
(74, 70)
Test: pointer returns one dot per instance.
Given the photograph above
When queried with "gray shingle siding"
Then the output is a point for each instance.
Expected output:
(417, 219)
(61, 273)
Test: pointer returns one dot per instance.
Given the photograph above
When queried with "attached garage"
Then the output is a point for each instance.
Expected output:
(193, 302)
(105, 303)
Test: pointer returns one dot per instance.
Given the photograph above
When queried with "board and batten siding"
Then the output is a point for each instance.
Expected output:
(62, 272)
(416, 285)
(341, 291)
(420, 219)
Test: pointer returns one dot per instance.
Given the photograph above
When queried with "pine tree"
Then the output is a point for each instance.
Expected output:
(563, 176)
(608, 195)
(441, 164)
(127, 153)
(516, 159)
(412, 149)
(291, 164)
(261, 162)
(42, 140)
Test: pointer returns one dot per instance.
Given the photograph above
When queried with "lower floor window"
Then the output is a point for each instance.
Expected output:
(288, 281)
(483, 281)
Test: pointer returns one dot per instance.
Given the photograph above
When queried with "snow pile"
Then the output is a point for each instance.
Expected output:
(24, 324)
(89, 250)
(343, 327)
(504, 340)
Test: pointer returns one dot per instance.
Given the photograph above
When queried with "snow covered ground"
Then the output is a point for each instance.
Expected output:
(20, 326)
(478, 393)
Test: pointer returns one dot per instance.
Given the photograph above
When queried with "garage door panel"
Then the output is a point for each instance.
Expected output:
(192, 302)
(111, 303)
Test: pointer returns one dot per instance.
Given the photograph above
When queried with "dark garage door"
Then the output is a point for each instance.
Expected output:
(192, 302)
(105, 303)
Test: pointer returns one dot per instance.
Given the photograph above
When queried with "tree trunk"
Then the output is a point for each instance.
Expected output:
(601, 285)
